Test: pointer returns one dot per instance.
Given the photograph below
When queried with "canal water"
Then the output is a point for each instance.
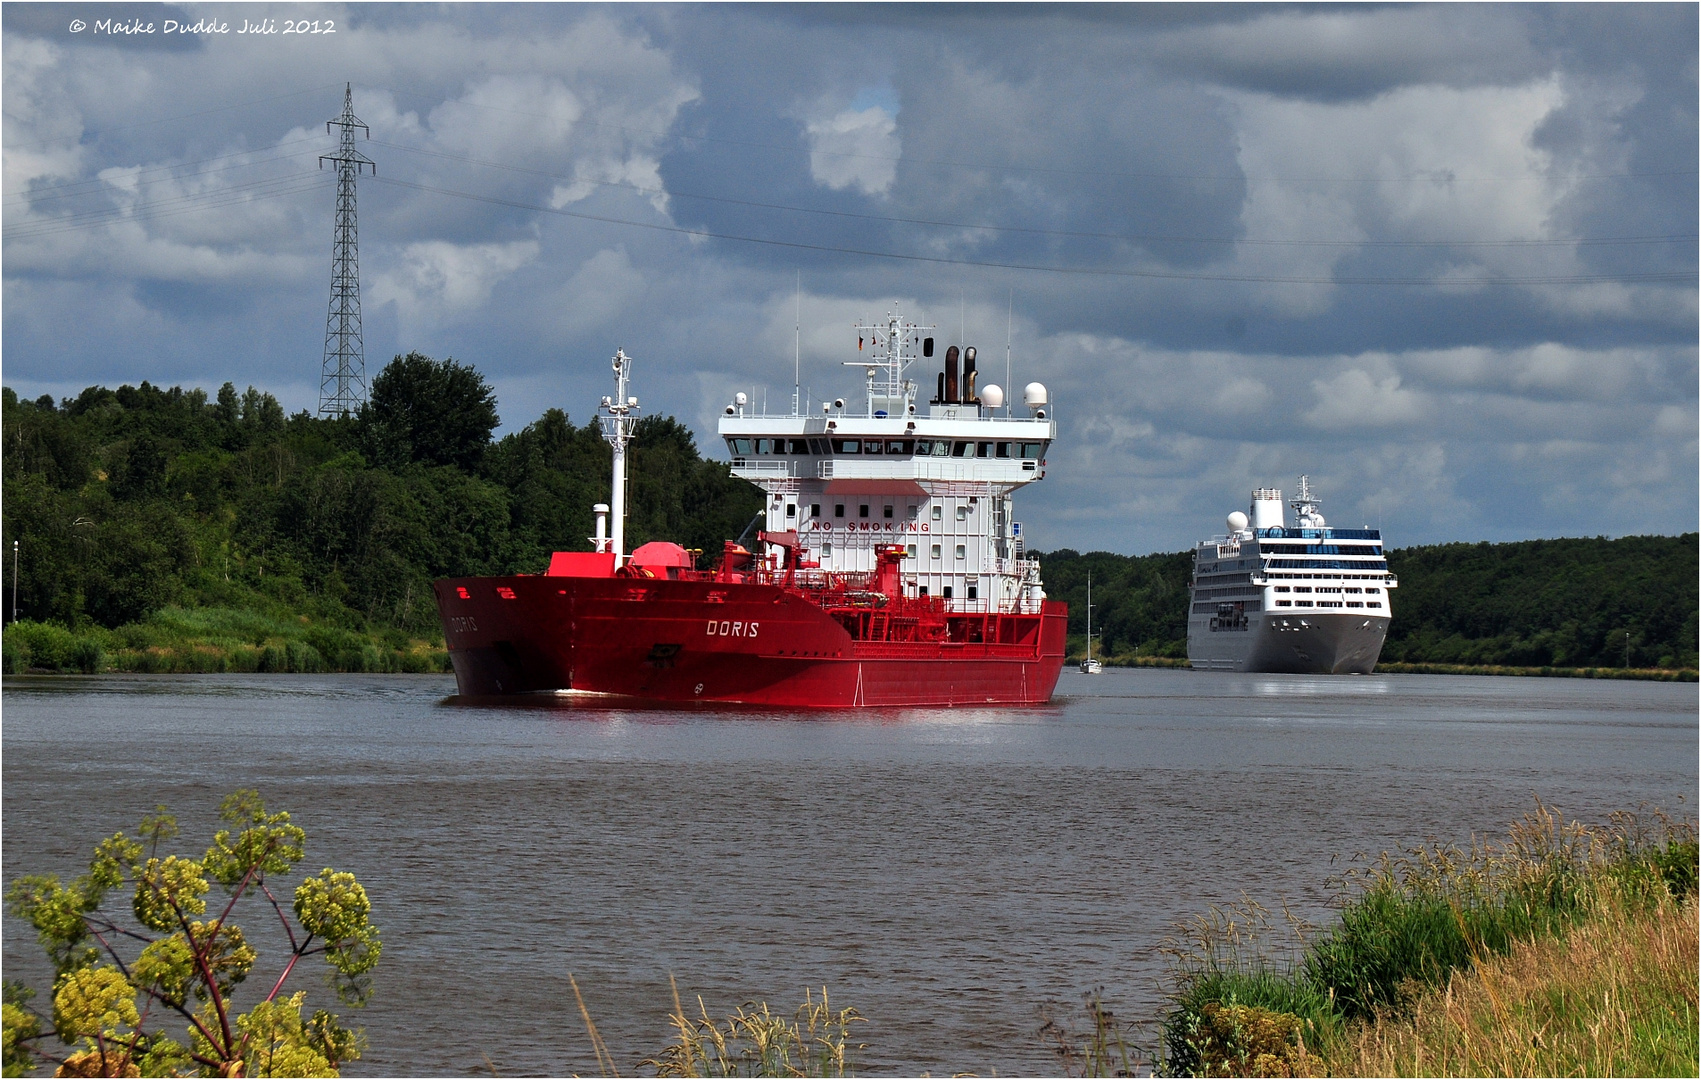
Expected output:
(950, 873)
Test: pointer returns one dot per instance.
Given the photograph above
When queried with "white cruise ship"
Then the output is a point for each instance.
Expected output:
(1303, 598)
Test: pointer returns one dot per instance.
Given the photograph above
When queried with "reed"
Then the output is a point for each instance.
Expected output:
(813, 1041)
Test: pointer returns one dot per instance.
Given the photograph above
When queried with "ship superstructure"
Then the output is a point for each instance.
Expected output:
(935, 479)
(891, 570)
(1307, 598)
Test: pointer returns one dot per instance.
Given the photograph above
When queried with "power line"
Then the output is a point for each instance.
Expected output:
(1131, 237)
(1578, 279)
(47, 192)
(1072, 171)
(176, 206)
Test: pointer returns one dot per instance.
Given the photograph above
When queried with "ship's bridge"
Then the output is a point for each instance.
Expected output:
(958, 443)
(935, 478)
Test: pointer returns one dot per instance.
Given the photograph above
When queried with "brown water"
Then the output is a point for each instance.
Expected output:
(948, 872)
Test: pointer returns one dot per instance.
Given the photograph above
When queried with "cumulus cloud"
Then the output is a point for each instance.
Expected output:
(433, 281)
(855, 148)
(166, 218)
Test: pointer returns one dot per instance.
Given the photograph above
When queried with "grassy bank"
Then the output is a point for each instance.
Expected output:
(1655, 674)
(1560, 949)
(216, 639)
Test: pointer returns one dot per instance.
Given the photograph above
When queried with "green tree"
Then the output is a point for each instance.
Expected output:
(428, 411)
(122, 982)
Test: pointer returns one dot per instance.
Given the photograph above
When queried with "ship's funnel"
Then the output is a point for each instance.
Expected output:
(1267, 508)
(939, 396)
(951, 397)
(969, 374)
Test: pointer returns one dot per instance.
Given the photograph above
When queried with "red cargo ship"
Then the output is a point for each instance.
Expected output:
(891, 572)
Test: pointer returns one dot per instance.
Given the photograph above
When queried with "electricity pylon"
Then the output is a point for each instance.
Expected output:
(342, 386)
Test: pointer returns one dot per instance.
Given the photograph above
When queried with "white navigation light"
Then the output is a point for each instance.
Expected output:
(1034, 395)
(992, 395)
(1236, 521)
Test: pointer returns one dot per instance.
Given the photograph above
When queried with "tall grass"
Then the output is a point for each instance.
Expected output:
(1615, 996)
(813, 1041)
(1409, 923)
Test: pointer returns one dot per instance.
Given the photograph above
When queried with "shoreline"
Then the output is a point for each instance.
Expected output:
(1397, 667)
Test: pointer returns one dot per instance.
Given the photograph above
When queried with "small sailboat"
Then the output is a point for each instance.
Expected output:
(1089, 666)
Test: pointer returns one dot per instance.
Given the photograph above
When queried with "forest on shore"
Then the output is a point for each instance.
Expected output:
(168, 530)
(1564, 603)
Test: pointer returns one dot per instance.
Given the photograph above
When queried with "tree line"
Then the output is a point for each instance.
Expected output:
(131, 500)
(134, 501)
(1531, 603)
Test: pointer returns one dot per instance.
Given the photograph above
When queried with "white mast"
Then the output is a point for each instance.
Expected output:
(617, 425)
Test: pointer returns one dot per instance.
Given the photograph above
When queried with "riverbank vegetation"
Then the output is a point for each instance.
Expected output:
(165, 530)
(1558, 950)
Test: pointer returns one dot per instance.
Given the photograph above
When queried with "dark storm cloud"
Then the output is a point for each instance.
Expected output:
(166, 218)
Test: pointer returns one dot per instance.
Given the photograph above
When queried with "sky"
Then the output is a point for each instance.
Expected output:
(1441, 259)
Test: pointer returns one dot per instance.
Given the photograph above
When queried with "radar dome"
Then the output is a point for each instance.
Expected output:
(740, 399)
(1034, 394)
(1236, 521)
(992, 395)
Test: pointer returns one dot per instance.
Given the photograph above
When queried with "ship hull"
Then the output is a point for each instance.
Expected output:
(1309, 644)
(755, 644)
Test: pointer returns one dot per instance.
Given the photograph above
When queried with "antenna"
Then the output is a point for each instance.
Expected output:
(1009, 317)
(797, 347)
(342, 382)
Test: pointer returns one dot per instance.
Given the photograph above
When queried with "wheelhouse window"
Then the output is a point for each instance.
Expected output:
(923, 447)
(818, 446)
(963, 449)
(1003, 449)
(739, 446)
(872, 446)
(1032, 449)
(983, 450)
(847, 446)
(764, 446)
(900, 446)
(798, 446)
(942, 448)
